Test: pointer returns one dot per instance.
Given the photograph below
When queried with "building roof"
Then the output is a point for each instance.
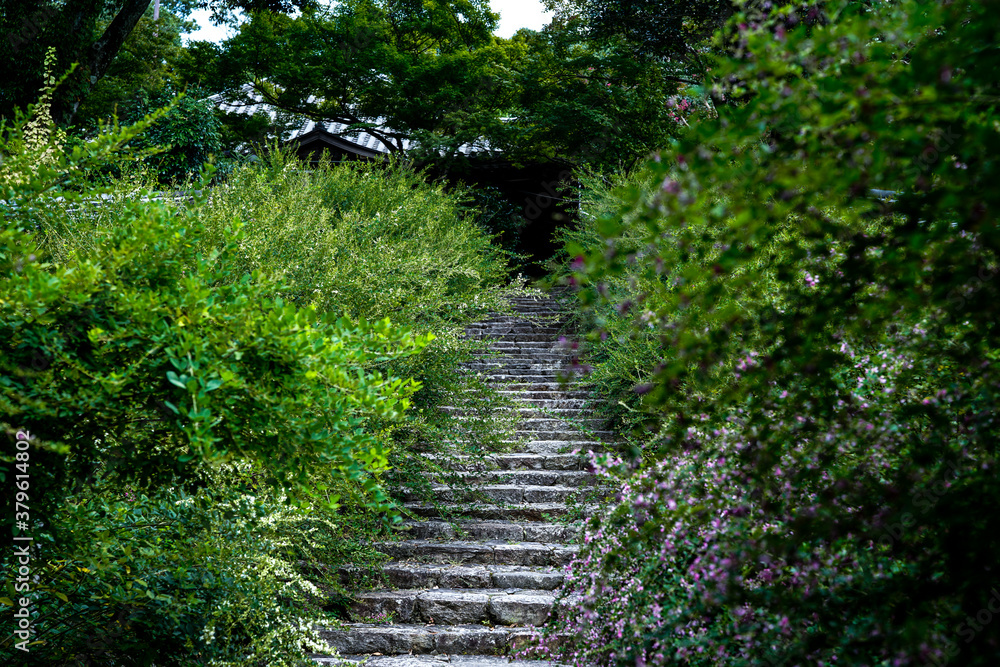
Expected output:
(306, 131)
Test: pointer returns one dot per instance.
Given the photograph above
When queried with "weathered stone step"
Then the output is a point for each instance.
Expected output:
(529, 312)
(545, 442)
(519, 316)
(456, 606)
(519, 461)
(519, 512)
(439, 660)
(541, 346)
(431, 575)
(514, 461)
(491, 552)
(572, 447)
(553, 390)
(529, 379)
(530, 531)
(519, 336)
(546, 391)
(557, 408)
(569, 478)
(525, 309)
(498, 493)
(549, 320)
(569, 435)
(504, 356)
(555, 424)
(556, 405)
(511, 364)
(420, 640)
(488, 329)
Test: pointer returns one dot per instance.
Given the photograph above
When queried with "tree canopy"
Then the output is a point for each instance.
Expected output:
(672, 31)
(87, 33)
(425, 78)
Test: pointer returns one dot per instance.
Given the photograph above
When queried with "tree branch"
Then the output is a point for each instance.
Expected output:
(102, 52)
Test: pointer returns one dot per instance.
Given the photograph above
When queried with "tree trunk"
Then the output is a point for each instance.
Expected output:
(101, 53)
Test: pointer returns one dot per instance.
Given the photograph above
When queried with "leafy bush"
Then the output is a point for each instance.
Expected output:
(187, 137)
(185, 422)
(366, 240)
(822, 363)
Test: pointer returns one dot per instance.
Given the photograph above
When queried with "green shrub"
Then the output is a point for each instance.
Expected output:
(367, 240)
(821, 363)
(361, 240)
(190, 135)
(185, 423)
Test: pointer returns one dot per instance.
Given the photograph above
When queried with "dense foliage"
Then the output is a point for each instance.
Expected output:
(429, 78)
(674, 30)
(371, 241)
(818, 363)
(92, 35)
(210, 437)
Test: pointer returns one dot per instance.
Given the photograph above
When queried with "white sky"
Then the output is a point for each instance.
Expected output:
(514, 15)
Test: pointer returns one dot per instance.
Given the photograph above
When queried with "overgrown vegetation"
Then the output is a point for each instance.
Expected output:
(814, 365)
(793, 312)
(213, 396)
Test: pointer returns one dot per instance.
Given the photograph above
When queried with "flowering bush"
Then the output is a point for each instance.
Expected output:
(818, 484)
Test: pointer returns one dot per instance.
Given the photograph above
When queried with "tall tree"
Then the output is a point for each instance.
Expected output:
(408, 62)
(672, 31)
(88, 33)
(435, 74)
(586, 102)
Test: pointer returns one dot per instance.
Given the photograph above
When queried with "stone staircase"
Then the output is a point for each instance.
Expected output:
(467, 592)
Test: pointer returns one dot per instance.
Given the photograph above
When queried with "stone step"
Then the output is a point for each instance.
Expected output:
(497, 493)
(441, 606)
(511, 364)
(532, 437)
(527, 337)
(519, 350)
(521, 307)
(456, 641)
(572, 447)
(519, 316)
(544, 390)
(551, 322)
(518, 512)
(541, 346)
(547, 442)
(555, 424)
(530, 531)
(440, 660)
(490, 552)
(525, 379)
(556, 404)
(569, 478)
(430, 576)
(505, 375)
(535, 409)
(519, 461)
(489, 328)
(504, 356)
